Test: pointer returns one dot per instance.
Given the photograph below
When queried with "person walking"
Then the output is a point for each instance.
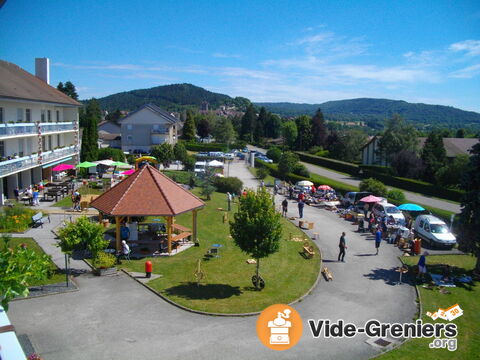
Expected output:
(229, 200)
(342, 245)
(301, 205)
(35, 195)
(378, 239)
(284, 207)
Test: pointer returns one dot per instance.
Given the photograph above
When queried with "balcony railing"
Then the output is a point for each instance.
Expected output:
(55, 127)
(160, 131)
(10, 166)
(17, 129)
(58, 154)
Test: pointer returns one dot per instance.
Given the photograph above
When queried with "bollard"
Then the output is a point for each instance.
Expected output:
(148, 269)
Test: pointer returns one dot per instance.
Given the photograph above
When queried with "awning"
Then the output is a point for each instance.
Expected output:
(56, 162)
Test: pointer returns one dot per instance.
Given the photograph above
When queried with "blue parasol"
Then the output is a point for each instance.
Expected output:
(411, 207)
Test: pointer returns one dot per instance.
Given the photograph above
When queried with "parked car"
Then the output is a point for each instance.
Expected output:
(352, 198)
(386, 209)
(216, 154)
(229, 156)
(202, 154)
(434, 231)
(266, 159)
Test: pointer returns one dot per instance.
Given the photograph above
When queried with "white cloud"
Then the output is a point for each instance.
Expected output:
(471, 47)
(466, 73)
(321, 37)
(226, 56)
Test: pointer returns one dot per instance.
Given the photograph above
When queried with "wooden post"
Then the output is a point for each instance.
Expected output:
(117, 233)
(169, 233)
(194, 226)
(100, 217)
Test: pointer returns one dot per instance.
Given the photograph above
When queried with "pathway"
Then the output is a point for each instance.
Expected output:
(347, 179)
(116, 318)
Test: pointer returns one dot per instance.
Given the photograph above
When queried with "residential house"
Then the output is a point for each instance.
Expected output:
(109, 135)
(148, 126)
(453, 147)
(38, 127)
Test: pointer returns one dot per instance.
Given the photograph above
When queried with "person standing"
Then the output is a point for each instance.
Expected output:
(229, 200)
(378, 239)
(342, 245)
(290, 192)
(284, 207)
(365, 210)
(422, 266)
(16, 193)
(301, 205)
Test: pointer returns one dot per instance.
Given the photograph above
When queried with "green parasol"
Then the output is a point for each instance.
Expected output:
(86, 164)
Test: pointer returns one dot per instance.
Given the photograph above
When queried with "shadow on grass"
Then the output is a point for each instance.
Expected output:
(191, 291)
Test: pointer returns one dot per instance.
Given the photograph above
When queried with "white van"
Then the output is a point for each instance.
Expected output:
(386, 209)
(434, 231)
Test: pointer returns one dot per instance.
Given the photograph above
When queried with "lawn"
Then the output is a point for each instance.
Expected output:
(55, 277)
(269, 180)
(227, 287)
(66, 202)
(467, 296)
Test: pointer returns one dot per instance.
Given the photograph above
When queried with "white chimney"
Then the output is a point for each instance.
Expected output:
(42, 69)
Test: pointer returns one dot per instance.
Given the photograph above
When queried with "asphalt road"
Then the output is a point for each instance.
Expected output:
(411, 197)
(117, 318)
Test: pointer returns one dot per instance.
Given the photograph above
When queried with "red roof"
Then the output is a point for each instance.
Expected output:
(147, 192)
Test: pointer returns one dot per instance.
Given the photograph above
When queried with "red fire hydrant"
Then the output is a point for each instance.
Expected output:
(148, 269)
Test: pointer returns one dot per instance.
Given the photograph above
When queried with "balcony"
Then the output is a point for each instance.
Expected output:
(162, 131)
(57, 154)
(56, 127)
(15, 165)
(19, 129)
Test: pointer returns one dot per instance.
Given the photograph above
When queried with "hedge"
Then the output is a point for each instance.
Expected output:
(206, 147)
(387, 170)
(337, 165)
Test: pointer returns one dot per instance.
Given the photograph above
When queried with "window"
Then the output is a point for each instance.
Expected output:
(20, 147)
(129, 127)
(1, 115)
(49, 116)
(129, 138)
(42, 116)
(421, 223)
(58, 116)
(28, 115)
(58, 140)
(43, 144)
(19, 115)
(49, 142)
(2, 149)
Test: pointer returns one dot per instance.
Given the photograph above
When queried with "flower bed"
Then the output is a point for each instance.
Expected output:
(15, 219)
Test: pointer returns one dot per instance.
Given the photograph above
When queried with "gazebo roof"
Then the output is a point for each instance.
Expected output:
(147, 192)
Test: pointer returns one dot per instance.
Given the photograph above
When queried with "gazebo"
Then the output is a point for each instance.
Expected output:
(148, 192)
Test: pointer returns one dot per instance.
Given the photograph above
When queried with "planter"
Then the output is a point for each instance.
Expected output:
(105, 272)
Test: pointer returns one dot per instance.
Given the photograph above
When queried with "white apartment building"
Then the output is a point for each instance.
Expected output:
(38, 127)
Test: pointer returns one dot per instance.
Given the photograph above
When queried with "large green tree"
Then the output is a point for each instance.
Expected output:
(89, 147)
(203, 127)
(319, 130)
(180, 152)
(223, 131)
(68, 89)
(451, 174)
(287, 163)
(398, 136)
(19, 268)
(304, 128)
(273, 126)
(111, 153)
(163, 153)
(469, 239)
(434, 156)
(249, 120)
(259, 131)
(256, 228)
(189, 127)
(289, 133)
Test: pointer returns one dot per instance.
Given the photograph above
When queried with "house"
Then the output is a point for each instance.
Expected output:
(109, 135)
(453, 147)
(148, 126)
(38, 127)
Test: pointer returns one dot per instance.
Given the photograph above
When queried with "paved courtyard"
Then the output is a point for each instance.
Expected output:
(117, 318)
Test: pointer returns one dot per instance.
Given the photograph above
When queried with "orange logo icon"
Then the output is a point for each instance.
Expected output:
(279, 327)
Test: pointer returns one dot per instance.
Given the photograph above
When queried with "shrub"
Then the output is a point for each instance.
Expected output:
(104, 261)
(374, 186)
(262, 173)
(300, 169)
(205, 147)
(396, 195)
(274, 153)
(287, 163)
(314, 150)
(323, 153)
(189, 163)
(228, 184)
(16, 218)
(337, 165)
(111, 153)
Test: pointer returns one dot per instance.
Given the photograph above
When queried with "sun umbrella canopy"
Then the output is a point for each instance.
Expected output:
(371, 199)
(304, 183)
(215, 163)
(86, 164)
(128, 172)
(63, 167)
(324, 187)
(105, 162)
(411, 207)
(121, 164)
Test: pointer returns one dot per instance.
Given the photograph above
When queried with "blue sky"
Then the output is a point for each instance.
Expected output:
(298, 51)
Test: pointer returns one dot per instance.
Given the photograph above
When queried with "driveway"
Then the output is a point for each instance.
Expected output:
(117, 318)
(346, 179)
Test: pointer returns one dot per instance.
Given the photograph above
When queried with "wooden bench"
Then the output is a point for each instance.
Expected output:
(327, 273)
(180, 228)
(37, 219)
(308, 251)
(181, 236)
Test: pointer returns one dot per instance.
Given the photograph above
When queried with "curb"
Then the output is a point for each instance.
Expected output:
(77, 288)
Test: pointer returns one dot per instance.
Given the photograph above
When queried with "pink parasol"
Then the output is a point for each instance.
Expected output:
(128, 172)
(371, 199)
(324, 187)
(63, 167)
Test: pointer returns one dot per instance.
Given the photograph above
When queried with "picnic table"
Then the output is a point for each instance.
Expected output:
(52, 194)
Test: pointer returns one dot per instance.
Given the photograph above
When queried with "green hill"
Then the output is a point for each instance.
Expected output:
(375, 110)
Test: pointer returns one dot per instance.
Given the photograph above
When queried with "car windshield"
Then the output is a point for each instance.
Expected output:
(392, 210)
(439, 229)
